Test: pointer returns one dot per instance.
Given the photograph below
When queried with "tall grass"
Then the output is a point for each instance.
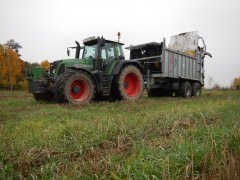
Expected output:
(153, 138)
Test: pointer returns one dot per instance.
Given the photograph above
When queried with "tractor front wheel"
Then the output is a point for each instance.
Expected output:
(130, 83)
(75, 88)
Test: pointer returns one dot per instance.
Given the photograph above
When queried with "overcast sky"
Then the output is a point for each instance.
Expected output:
(46, 27)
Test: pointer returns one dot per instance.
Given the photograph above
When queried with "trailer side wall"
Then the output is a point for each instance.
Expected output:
(179, 65)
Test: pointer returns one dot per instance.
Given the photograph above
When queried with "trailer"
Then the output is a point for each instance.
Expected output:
(177, 69)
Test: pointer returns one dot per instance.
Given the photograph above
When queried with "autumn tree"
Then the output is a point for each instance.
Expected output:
(45, 64)
(2, 64)
(10, 67)
(236, 83)
(14, 45)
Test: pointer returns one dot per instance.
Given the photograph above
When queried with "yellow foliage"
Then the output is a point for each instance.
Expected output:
(45, 64)
(236, 83)
(23, 85)
(11, 67)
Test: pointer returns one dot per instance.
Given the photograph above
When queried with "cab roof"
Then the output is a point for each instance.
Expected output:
(93, 40)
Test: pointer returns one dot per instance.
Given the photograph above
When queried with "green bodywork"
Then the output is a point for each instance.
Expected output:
(35, 73)
(108, 70)
(99, 58)
(88, 64)
(107, 66)
(85, 63)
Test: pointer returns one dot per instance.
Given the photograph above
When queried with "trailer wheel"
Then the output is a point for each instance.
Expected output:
(130, 83)
(185, 89)
(75, 88)
(196, 89)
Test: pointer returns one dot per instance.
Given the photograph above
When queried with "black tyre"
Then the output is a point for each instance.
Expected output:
(130, 83)
(48, 96)
(159, 93)
(185, 90)
(75, 87)
(37, 96)
(196, 89)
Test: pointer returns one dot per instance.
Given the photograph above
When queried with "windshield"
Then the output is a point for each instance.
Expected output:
(90, 52)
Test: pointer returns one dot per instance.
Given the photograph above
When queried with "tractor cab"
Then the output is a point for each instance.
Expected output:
(102, 51)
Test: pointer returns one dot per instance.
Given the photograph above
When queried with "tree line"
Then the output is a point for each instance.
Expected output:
(12, 67)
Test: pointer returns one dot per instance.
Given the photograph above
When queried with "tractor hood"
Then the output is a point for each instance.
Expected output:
(84, 63)
(59, 67)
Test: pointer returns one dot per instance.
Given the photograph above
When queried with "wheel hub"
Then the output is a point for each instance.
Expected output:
(76, 89)
(79, 90)
(131, 85)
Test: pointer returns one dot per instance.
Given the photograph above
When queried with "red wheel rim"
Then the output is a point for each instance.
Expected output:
(79, 90)
(131, 85)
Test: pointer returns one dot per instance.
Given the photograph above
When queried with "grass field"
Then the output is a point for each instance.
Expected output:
(153, 138)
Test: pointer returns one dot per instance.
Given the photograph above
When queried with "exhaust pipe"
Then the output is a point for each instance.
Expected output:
(78, 47)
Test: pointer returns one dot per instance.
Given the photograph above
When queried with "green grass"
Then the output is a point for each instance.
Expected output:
(155, 138)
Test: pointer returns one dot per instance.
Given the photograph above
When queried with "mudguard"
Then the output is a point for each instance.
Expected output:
(123, 63)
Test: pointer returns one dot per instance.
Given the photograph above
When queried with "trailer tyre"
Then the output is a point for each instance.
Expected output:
(130, 83)
(196, 89)
(75, 88)
(185, 89)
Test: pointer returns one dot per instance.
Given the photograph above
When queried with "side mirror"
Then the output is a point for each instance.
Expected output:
(68, 52)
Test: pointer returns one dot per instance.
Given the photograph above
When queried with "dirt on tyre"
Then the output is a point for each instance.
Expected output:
(185, 90)
(196, 89)
(130, 83)
(75, 87)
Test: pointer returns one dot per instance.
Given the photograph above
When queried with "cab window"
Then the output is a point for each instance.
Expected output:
(119, 50)
(89, 51)
(107, 52)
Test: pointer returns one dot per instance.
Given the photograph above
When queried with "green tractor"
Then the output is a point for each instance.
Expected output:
(102, 71)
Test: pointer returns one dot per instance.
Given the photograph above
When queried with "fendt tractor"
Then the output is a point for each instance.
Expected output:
(102, 71)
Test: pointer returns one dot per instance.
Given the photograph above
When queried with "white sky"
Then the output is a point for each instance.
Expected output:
(45, 28)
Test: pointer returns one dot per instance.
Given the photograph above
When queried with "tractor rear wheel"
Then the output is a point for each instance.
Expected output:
(130, 83)
(196, 89)
(75, 88)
